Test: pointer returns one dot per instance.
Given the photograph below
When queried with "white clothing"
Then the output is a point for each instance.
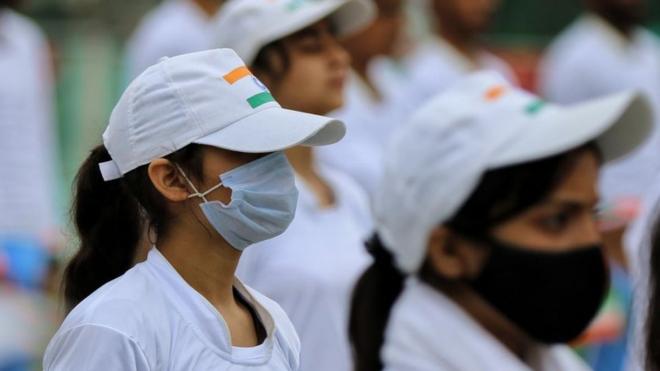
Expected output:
(436, 64)
(173, 28)
(369, 123)
(590, 59)
(27, 129)
(429, 332)
(311, 269)
(151, 319)
(637, 244)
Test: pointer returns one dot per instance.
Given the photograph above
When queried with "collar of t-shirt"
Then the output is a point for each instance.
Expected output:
(204, 317)
(430, 328)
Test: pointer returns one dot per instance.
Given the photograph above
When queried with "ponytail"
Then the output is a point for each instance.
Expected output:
(109, 224)
(373, 298)
(110, 219)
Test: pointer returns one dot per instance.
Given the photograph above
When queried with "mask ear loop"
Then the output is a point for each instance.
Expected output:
(197, 193)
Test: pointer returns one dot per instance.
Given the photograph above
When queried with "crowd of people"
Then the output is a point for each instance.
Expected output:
(299, 185)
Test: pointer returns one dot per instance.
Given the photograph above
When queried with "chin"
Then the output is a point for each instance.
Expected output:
(328, 104)
(335, 105)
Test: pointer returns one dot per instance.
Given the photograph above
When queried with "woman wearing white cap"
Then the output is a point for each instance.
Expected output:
(488, 207)
(193, 150)
(311, 269)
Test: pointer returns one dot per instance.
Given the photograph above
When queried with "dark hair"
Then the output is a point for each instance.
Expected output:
(110, 220)
(9, 3)
(652, 341)
(501, 195)
(272, 60)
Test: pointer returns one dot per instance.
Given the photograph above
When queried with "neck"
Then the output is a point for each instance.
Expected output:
(209, 7)
(302, 160)
(361, 67)
(204, 260)
(463, 42)
(496, 324)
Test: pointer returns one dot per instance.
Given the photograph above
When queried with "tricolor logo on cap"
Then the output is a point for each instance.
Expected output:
(256, 100)
(498, 91)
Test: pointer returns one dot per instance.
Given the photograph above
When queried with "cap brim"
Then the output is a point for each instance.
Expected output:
(347, 16)
(276, 129)
(619, 124)
(353, 16)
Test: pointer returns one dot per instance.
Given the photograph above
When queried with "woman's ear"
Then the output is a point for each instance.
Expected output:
(168, 180)
(454, 257)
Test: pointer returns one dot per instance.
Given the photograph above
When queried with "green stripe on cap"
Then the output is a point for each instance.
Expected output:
(534, 107)
(260, 99)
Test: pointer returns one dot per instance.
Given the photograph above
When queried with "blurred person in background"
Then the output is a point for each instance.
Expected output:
(28, 166)
(174, 27)
(310, 270)
(454, 48)
(372, 109)
(607, 50)
(487, 206)
(186, 153)
(645, 234)
(650, 357)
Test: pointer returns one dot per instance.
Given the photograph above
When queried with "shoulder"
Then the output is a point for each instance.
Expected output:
(575, 42)
(171, 21)
(129, 311)
(650, 39)
(412, 339)
(22, 28)
(94, 346)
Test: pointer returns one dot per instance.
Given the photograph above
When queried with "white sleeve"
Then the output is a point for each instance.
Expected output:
(94, 347)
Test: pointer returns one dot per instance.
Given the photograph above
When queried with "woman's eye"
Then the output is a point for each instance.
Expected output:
(310, 45)
(556, 222)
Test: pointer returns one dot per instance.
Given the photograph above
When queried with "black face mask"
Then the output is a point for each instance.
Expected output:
(552, 296)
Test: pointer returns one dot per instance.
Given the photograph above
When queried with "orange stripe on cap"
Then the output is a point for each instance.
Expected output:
(237, 74)
(495, 92)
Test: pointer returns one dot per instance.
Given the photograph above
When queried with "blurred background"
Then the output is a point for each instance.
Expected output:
(87, 39)
(87, 42)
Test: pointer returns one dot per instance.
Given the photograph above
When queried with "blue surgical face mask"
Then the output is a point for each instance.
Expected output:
(263, 201)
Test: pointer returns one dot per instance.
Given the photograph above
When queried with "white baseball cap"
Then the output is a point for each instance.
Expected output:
(435, 162)
(209, 98)
(248, 25)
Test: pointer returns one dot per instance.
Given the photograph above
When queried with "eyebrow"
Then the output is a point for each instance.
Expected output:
(572, 203)
(314, 30)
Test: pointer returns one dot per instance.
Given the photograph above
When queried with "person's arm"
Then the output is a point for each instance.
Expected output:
(94, 347)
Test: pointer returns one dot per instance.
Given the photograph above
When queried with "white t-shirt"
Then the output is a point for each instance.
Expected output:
(151, 319)
(436, 64)
(173, 28)
(27, 129)
(590, 59)
(427, 331)
(637, 243)
(311, 269)
(369, 124)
